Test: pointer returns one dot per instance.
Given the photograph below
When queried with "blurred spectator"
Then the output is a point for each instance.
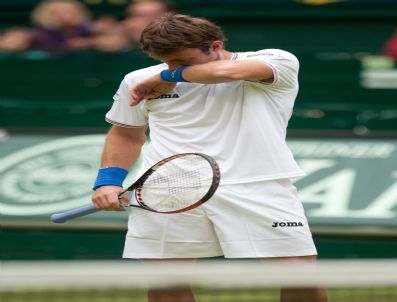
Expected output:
(111, 39)
(104, 23)
(16, 39)
(390, 47)
(62, 24)
(140, 13)
(67, 25)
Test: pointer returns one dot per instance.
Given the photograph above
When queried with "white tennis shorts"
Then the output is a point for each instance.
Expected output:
(251, 220)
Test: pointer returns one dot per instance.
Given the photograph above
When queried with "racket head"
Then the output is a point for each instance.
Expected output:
(178, 183)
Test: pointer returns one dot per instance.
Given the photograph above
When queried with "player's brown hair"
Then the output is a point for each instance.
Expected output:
(174, 32)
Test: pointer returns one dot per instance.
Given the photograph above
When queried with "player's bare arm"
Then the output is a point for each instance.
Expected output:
(215, 72)
(226, 71)
(122, 149)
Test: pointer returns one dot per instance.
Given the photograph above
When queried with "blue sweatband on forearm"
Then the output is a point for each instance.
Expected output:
(110, 176)
(173, 75)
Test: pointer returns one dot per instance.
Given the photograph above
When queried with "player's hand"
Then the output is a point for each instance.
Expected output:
(150, 88)
(106, 198)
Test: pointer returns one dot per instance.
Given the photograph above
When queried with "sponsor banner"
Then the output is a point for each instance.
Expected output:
(348, 182)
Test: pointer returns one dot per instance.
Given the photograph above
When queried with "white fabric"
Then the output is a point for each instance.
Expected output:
(241, 124)
(253, 220)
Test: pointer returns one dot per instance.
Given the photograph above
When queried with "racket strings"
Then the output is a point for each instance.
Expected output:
(177, 184)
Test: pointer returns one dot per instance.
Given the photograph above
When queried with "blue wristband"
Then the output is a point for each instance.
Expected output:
(173, 75)
(110, 176)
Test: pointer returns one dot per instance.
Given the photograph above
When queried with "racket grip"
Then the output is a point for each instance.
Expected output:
(73, 213)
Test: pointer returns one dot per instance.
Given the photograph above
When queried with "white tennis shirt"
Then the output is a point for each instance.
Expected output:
(242, 124)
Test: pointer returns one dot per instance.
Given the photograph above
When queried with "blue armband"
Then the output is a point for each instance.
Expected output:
(110, 176)
(173, 75)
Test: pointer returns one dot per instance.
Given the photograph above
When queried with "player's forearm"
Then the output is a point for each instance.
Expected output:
(208, 73)
(122, 148)
(227, 71)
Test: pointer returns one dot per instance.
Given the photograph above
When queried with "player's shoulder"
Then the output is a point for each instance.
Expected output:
(271, 53)
(143, 73)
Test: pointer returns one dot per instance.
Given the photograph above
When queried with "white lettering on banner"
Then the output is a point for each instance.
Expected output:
(381, 207)
(333, 193)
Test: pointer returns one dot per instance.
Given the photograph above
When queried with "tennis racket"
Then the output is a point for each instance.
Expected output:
(173, 185)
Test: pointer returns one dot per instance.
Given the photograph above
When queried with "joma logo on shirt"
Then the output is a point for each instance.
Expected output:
(287, 224)
(167, 96)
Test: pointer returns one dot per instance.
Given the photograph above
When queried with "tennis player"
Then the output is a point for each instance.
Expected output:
(233, 106)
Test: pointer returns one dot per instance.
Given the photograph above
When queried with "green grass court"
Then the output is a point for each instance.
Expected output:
(202, 295)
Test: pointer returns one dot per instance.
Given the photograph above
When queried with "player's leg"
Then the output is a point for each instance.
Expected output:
(301, 294)
(170, 295)
(180, 294)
